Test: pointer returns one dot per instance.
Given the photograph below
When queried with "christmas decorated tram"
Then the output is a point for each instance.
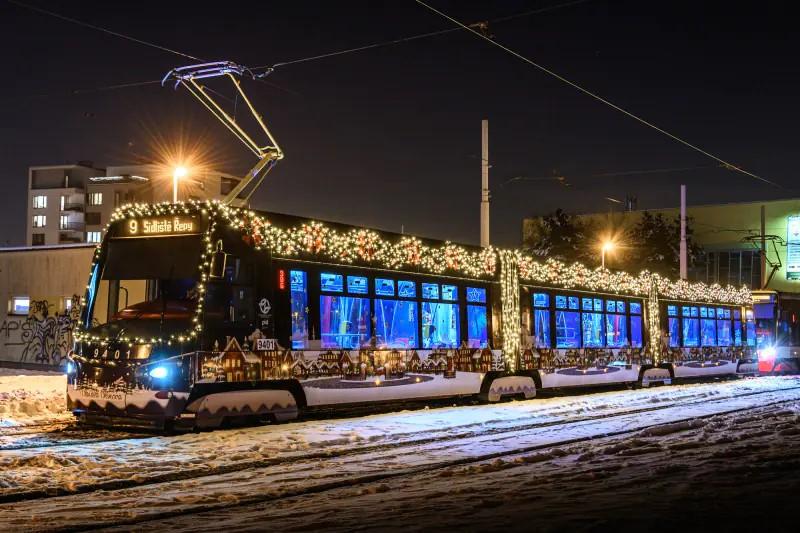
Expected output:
(199, 313)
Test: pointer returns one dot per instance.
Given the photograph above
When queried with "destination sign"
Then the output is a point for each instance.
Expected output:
(158, 226)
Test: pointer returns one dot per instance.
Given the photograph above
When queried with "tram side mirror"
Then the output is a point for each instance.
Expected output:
(218, 263)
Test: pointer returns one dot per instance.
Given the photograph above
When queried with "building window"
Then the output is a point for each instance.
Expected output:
(95, 198)
(63, 202)
(93, 236)
(20, 305)
(39, 202)
(63, 222)
(92, 219)
(39, 221)
(37, 239)
(67, 303)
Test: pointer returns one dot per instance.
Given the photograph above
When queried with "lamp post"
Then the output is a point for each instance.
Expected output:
(177, 174)
(607, 247)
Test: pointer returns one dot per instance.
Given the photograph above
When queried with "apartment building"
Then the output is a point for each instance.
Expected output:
(70, 204)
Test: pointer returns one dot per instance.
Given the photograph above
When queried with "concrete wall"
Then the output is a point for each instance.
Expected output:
(46, 276)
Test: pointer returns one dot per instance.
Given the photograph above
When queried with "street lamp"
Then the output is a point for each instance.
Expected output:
(177, 174)
(608, 246)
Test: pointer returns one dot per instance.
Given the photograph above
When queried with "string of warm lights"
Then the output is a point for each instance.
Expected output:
(509, 299)
(653, 319)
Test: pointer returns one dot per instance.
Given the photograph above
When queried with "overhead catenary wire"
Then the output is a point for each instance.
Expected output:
(599, 98)
(546, 9)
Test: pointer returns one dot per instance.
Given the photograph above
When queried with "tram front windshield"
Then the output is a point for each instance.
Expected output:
(143, 282)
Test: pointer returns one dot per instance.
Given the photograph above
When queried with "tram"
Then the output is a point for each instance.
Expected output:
(777, 332)
(200, 313)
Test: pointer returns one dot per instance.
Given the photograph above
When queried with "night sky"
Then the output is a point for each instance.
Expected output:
(391, 136)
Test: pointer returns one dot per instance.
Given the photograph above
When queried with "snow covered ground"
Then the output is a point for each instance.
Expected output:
(576, 461)
(30, 397)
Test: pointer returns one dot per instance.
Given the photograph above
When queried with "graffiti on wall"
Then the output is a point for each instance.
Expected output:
(41, 337)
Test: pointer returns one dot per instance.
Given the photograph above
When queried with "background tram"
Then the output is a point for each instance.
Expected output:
(776, 332)
(197, 313)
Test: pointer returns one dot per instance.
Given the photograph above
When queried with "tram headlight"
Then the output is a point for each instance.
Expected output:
(71, 368)
(159, 372)
(768, 353)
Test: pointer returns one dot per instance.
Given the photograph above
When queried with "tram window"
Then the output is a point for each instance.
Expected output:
(441, 327)
(593, 330)
(586, 304)
(357, 285)
(737, 314)
(476, 295)
(616, 331)
(636, 308)
(691, 332)
(384, 287)
(672, 310)
(723, 332)
(573, 302)
(541, 299)
(331, 282)
(751, 333)
(674, 333)
(620, 306)
(704, 313)
(299, 304)
(610, 306)
(396, 323)
(541, 328)
(449, 293)
(344, 321)
(406, 289)
(568, 332)
(737, 332)
(694, 311)
(636, 331)
(242, 304)
(721, 312)
(561, 302)
(477, 330)
(708, 332)
(598, 304)
(430, 291)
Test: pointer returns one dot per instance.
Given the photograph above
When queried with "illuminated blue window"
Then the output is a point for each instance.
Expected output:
(685, 311)
(477, 330)
(704, 313)
(636, 308)
(751, 333)
(396, 323)
(691, 332)
(298, 285)
(586, 304)
(620, 306)
(674, 332)
(694, 311)
(440, 325)
(610, 306)
(561, 302)
(449, 293)
(384, 287)
(430, 291)
(406, 289)
(541, 328)
(357, 284)
(724, 333)
(636, 331)
(593, 330)
(708, 332)
(344, 321)
(331, 282)
(568, 329)
(616, 330)
(476, 295)
(737, 314)
(672, 310)
(737, 332)
(726, 313)
(541, 299)
(598, 304)
(573, 302)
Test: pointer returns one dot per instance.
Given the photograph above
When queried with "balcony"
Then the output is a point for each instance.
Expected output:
(69, 238)
(73, 206)
(72, 226)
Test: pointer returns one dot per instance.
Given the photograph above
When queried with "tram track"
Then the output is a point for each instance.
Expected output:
(349, 481)
(501, 431)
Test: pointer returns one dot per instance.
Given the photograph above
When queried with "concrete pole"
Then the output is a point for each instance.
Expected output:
(763, 247)
(485, 183)
(683, 252)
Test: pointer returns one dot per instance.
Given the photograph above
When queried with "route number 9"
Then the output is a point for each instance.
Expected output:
(133, 226)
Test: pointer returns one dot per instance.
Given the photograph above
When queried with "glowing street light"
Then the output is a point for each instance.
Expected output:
(608, 246)
(177, 174)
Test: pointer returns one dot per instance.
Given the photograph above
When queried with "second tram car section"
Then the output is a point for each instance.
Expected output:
(198, 313)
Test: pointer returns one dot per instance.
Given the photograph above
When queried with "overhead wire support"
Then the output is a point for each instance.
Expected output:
(268, 154)
(597, 97)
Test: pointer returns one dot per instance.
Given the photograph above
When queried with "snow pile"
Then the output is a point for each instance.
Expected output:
(27, 396)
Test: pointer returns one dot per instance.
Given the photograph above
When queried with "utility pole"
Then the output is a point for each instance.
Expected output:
(763, 247)
(485, 183)
(683, 252)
